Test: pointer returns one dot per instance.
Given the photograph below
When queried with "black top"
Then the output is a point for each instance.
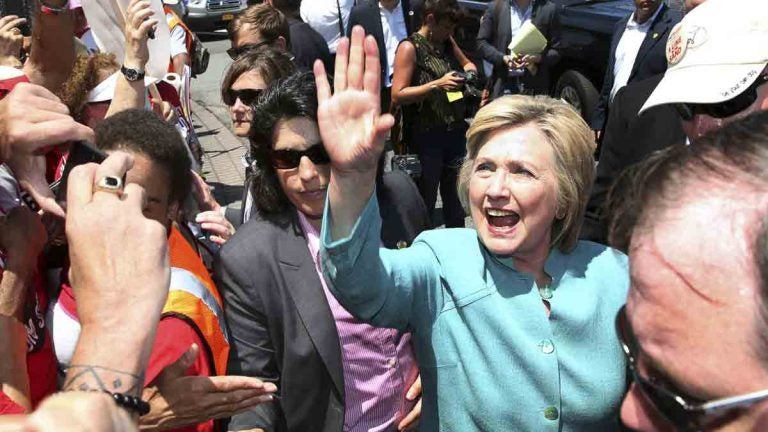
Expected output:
(307, 45)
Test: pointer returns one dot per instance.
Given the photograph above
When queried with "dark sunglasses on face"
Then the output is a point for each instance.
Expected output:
(288, 159)
(246, 96)
(723, 109)
(236, 52)
(683, 412)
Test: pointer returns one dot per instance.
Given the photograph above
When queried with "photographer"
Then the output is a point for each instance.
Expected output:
(427, 66)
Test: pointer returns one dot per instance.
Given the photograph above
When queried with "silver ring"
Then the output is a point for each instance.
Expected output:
(110, 184)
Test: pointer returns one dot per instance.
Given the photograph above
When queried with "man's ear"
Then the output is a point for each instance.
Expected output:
(281, 43)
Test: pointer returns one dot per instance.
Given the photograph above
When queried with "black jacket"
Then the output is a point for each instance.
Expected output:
(495, 34)
(307, 45)
(281, 326)
(366, 14)
(628, 139)
(651, 58)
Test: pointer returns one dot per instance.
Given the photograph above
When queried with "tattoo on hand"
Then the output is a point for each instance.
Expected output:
(98, 378)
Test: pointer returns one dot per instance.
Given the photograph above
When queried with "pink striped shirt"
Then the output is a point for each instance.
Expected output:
(379, 366)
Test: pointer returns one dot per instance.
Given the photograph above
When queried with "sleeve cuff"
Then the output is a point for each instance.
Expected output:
(343, 252)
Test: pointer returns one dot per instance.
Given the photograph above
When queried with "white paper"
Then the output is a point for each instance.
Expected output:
(107, 21)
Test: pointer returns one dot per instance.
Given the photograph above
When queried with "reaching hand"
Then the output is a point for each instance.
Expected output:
(11, 40)
(411, 421)
(29, 171)
(351, 124)
(138, 25)
(450, 82)
(119, 258)
(177, 400)
(32, 118)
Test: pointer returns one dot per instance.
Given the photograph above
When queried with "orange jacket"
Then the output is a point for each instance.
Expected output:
(194, 298)
(174, 21)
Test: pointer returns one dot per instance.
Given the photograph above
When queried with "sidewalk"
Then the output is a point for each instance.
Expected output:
(222, 153)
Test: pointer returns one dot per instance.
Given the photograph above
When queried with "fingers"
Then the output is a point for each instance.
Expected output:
(340, 68)
(41, 193)
(56, 132)
(355, 69)
(134, 195)
(415, 389)
(80, 186)
(228, 383)
(116, 165)
(372, 78)
(215, 222)
(321, 81)
(10, 22)
(412, 418)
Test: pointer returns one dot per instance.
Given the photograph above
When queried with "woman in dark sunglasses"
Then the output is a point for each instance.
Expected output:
(246, 78)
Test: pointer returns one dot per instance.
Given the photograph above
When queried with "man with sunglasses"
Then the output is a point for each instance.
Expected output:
(694, 326)
(717, 74)
(259, 25)
(333, 372)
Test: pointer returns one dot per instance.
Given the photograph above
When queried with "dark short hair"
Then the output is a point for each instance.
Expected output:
(143, 132)
(270, 64)
(440, 9)
(268, 21)
(292, 97)
(736, 154)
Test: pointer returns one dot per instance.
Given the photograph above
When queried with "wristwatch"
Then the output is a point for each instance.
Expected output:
(132, 75)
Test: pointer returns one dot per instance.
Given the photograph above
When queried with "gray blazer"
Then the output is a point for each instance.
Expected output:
(281, 326)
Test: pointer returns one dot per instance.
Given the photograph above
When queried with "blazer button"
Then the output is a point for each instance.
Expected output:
(550, 413)
(402, 244)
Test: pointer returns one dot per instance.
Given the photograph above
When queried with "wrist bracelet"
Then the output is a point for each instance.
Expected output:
(131, 403)
(47, 9)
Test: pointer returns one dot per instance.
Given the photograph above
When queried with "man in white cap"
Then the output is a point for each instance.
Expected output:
(716, 74)
(717, 65)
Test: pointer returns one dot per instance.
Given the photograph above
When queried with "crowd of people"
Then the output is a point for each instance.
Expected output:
(614, 276)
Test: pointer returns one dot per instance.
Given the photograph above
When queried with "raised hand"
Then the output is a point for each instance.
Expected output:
(351, 124)
(139, 22)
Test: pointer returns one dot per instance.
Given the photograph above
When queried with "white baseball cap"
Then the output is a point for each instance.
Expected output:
(716, 52)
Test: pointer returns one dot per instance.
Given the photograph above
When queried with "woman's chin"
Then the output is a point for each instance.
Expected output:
(499, 241)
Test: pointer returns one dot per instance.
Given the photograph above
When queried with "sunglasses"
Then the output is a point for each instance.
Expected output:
(246, 96)
(723, 109)
(683, 412)
(236, 52)
(288, 159)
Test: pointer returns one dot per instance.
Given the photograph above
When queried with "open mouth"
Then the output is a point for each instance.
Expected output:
(502, 218)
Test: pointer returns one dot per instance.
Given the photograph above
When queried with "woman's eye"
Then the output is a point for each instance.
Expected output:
(524, 172)
(483, 167)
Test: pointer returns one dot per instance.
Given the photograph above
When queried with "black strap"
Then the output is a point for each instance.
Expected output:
(341, 20)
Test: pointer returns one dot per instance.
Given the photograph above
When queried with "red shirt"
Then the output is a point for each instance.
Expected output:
(174, 337)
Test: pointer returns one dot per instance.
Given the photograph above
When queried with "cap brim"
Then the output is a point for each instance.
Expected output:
(703, 84)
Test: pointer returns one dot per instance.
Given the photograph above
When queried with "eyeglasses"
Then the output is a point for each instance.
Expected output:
(246, 96)
(683, 412)
(723, 109)
(288, 159)
(236, 52)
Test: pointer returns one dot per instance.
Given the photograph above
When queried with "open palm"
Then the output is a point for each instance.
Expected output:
(351, 125)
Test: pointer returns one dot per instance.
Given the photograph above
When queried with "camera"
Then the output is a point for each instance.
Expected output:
(473, 83)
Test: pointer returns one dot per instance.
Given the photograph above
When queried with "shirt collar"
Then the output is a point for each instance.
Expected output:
(311, 233)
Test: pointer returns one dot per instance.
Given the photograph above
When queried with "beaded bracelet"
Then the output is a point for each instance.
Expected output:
(131, 403)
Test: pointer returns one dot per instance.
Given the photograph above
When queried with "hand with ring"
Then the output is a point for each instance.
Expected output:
(119, 263)
(11, 40)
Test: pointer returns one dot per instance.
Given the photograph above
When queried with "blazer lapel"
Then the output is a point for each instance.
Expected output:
(655, 35)
(305, 288)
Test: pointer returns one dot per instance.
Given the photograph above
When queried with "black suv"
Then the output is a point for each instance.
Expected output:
(587, 27)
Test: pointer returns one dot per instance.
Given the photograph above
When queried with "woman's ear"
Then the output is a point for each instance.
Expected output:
(173, 211)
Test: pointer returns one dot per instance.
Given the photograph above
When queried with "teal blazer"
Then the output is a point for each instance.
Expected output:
(489, 357)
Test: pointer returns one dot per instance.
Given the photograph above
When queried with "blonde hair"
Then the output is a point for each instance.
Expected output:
(572, 144)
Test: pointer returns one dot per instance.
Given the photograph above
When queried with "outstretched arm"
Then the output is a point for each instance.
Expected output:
(352, 127)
